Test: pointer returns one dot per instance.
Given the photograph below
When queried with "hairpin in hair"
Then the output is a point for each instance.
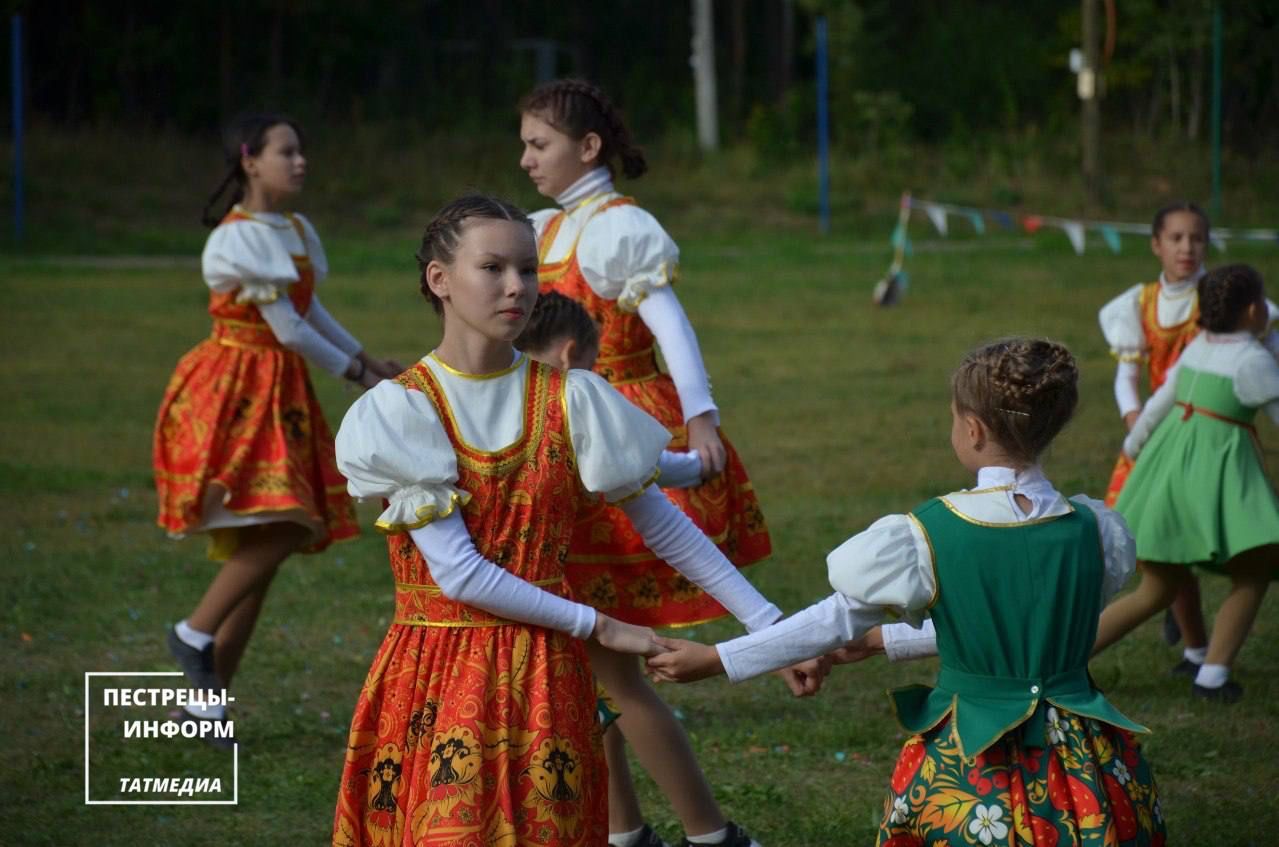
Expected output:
(1015, 412)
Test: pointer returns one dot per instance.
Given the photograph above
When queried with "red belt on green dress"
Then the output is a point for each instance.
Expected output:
(1192, 409)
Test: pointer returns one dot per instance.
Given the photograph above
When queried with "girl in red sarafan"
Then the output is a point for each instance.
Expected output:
(602, 250)
(241, 448)
(477, 722)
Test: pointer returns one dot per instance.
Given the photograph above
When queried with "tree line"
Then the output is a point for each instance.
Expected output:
(921, 70)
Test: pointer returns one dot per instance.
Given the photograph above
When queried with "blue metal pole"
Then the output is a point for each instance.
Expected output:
(823, 127)
(18, 202)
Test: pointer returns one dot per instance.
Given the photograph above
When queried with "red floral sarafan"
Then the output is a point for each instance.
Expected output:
(609, 565)
(471, 730)
(240, 422)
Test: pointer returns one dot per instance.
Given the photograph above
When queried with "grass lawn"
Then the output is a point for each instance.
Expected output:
(840, 411)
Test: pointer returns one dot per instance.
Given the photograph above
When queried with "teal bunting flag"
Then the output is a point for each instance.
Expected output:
(1111, 236)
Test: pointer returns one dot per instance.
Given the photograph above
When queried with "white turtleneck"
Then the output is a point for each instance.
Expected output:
(626, 257)
(889, 568)
(597, 181)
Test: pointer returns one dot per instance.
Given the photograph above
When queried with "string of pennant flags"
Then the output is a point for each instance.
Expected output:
(1075, 229)
(889, 289)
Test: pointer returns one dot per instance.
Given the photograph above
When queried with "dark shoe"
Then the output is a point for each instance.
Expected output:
(1185, 668)
(737, 837)
(1231, 692)
(197, 665)
(1172, 632)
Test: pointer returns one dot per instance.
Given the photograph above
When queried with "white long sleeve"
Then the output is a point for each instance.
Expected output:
(889, 567)
(467, 577)
(679, 470)
(327, 325)
(674, 538)
(1127, 394)
(295, 333)
(662, 313)
(814, 631)
(903, 642)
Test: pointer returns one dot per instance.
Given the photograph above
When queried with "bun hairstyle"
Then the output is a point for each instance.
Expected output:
(444, 233)
(246, 134)
(576, 107)
(1025, 390)
(554, 317)
(1225, 293)
(1178, 206)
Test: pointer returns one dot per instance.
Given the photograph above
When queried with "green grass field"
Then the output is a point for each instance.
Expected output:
(839, 409)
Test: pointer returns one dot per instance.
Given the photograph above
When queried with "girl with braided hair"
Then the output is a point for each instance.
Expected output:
(602, 250)
(1013, 743)
(1198, 493)
(241, 449)
(476, 724)
(1153, 322)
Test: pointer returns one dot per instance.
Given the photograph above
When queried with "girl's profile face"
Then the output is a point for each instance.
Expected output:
(490, 286)
(1180, 245)
(280, 169)
(553, 160)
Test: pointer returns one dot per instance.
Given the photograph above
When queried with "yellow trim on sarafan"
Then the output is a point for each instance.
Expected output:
(425, 514)
(520, 358)
(519, 451)
(932, 555)
(1010, 524)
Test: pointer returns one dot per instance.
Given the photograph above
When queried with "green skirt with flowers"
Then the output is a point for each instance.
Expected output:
(1089, 786)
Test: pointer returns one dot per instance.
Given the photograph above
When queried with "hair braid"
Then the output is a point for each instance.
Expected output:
(443, 234)
(556, 317)
(576, 107)
(1025, 390)
(1225, 293)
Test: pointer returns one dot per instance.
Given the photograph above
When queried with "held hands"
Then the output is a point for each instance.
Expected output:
(684, 661)
(1130, 418)
(703, 436)
(805, 678)
(870, 644)
(623, 637)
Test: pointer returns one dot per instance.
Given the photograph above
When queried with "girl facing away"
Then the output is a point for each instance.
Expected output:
(1013, 734)
(1153, 322)
(241, 449)
(1198, 493)
(604, 251)
(477, 723)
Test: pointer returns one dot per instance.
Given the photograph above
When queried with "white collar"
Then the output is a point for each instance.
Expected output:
(597, 181)
(1228, 337)
(999, 485)
(1173, 289)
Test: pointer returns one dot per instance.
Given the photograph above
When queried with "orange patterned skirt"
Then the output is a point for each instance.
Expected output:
(470, 736)
(610, 568)
(242, 424)
(1123, 467)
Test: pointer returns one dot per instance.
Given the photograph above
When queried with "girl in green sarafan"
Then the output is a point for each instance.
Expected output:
(1013, 744)
(1198, 493)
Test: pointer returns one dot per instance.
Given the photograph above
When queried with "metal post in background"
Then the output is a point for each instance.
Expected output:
(1216, 112)
(823, 127)
(18, 88)
(703, 62)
